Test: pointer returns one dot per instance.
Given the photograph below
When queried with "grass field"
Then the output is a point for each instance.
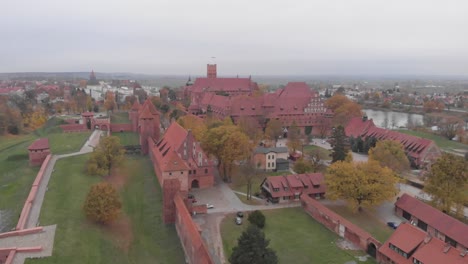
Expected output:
(324, 154)
(295, 236)
(365, 220)
(62, 143)
(120, 118)
(16, 178)
(79, 241)
(128, 138)
(442, 142)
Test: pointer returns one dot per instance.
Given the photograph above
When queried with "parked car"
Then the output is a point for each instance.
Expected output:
(238, 221)
(209, 206)
(392, 225)
(240, 214)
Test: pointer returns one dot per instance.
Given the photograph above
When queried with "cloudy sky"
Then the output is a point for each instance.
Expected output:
(346, 37)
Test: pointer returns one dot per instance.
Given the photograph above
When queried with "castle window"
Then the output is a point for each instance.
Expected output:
(182, 172)
(206, 171)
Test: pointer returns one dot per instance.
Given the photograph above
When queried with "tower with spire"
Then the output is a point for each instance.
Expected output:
(92, 79)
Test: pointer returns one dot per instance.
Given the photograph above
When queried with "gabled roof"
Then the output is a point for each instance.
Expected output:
(406, 238)
(145, 113)
(175, 135)
(446, 224)
(42, 143)
(136, 106)
(305, 181)
(173, 162)
(435, 251)
(151, 107)
(224, 84)
(264, 150)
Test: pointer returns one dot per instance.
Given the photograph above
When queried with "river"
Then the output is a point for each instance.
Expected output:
(391, 119)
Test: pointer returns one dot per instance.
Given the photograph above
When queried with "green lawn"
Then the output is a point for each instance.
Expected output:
(128, 138)
(365, 220)
(295, 236)
(442, 142)
(240, 184)
(324, 154)
(62, 143)
(16, 177)
(120, 118)
(80, 241)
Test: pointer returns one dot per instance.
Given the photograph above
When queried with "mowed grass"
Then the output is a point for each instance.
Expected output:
(324, 154)
(127, 138)
(295, 236)
(120, 118)
(441, 142)
(78, 240)
(365, 220)
(16, 178)
(62, 143)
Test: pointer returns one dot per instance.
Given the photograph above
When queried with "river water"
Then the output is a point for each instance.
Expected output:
(391, 119)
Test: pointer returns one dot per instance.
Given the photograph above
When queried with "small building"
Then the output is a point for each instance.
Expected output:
(267, 158)
(38, 151)
(409, 245)
(433, 221)
(290, 187)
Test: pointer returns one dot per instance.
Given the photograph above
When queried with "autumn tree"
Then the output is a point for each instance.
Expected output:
(449, 126)
(109, 102)
(343, 108)
(302, 166)
(339, 143)
(102, 204)
(195, 124)
(252, 247)
(227, 144)
(361, 184)
(391, 154)
(107, 154)
(250, 127)
(294, 137)
(447, 183)
(273, 130)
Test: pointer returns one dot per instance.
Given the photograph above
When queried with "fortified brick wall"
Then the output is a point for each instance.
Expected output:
(338, 224)
(120, 127)
(195, 250)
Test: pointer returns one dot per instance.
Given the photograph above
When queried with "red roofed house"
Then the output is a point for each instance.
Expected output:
(433, 221)
(410, 245)
(291, 187)
(420, 151)
(233, 97)
(38, 151)
(177, 155)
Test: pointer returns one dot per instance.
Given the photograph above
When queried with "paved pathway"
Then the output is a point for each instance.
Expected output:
(45, 238)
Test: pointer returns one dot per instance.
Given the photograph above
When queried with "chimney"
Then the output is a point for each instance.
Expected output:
(364, 118)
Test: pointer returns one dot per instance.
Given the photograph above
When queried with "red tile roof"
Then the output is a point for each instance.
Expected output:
(305, 182)
(42, 143)
(406, 238)
(224, 84)
(435, 252)
(145, 113)
(136, 106)
(445, 224)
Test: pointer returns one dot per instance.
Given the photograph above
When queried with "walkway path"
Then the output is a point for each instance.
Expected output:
(45, 238)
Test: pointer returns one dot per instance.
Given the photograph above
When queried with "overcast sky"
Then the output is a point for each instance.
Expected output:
(255, 37)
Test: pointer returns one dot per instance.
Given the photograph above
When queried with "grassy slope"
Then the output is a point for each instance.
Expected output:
(440, 141)
(16, 177)
(79, 241)
(295, 236)
(120, 118)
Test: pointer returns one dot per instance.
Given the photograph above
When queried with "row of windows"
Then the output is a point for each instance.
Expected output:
(397, 250)
(190, 172)
(270, 156)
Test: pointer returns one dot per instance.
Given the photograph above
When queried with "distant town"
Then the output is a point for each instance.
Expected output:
(130, 168)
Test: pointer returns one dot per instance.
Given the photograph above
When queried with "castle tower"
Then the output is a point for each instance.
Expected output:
(133, 115)
(147, 128)
(156, 119)
(92, 79)
(170, 189)
(211, 70)
(38, 151)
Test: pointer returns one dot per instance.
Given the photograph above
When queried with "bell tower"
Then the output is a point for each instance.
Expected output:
(211, 70)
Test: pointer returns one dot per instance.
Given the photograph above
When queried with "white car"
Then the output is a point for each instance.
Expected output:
(209, 206)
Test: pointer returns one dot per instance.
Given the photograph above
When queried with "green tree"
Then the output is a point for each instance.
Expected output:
(361, 184)
(257, 218)
(448, 183)
(339, 143)
(108, 153)
(102, 204)
(390, 153)
(252, 247)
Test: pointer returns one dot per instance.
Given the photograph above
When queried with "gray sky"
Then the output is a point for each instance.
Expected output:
(246, 36)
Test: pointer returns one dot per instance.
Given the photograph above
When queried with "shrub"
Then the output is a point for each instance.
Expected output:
(102, 204)
(257, 218)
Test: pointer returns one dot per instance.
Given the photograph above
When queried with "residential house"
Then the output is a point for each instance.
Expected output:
(290, 187)
(268, 159)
